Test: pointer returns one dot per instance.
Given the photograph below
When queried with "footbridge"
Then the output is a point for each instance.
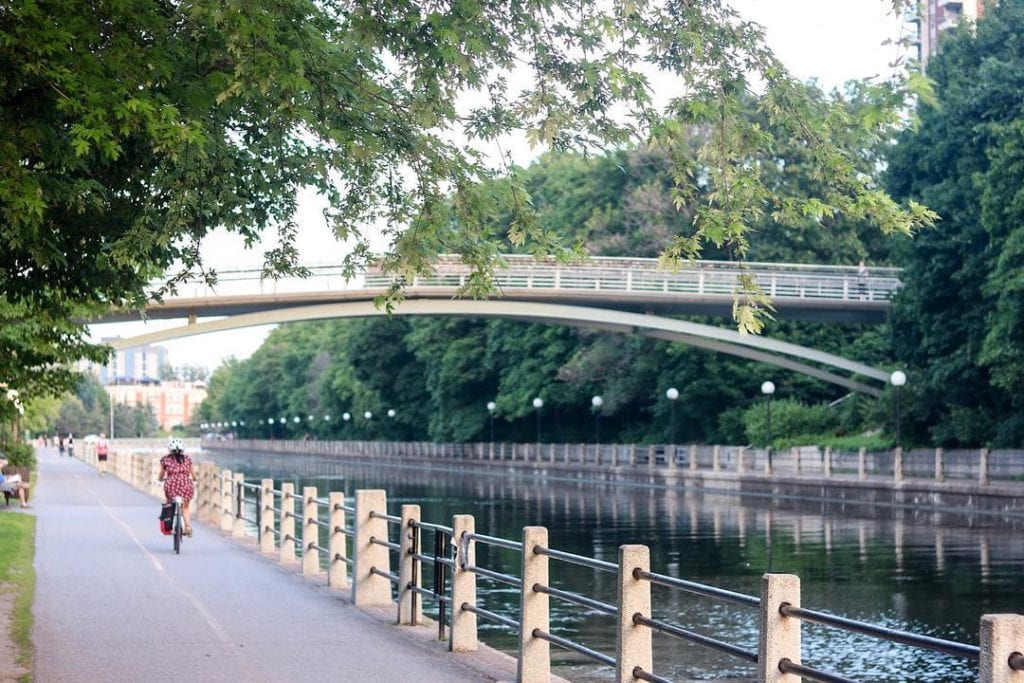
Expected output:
(616, 295)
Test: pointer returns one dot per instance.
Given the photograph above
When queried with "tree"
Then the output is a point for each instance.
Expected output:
(957, 322)
(129, 131)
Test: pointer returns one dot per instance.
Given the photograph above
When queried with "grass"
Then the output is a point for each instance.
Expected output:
(17, 553)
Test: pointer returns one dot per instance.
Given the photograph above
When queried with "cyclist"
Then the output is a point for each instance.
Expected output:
(177, 474)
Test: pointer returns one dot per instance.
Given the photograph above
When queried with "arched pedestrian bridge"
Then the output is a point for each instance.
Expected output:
(618, 295)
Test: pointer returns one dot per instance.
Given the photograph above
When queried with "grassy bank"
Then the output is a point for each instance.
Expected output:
(17, 552)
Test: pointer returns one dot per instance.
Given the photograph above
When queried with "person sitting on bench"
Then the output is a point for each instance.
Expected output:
(13, 484)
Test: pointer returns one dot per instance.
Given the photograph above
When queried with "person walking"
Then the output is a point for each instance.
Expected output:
(177, 474)
(60, 445)
(101, 454)
(862, 280)
(71, 445)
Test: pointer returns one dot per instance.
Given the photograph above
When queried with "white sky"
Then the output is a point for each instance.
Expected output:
(832, 41)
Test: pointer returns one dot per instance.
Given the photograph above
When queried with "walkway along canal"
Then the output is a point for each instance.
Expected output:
(365, 534)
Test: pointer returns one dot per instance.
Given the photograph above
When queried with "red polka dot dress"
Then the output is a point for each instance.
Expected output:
(179, 477)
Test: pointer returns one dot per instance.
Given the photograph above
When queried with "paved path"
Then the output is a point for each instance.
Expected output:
(113, 602)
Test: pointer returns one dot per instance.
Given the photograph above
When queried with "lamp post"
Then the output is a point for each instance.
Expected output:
(768, 388)
(346, 417)
(538, 403)
(672, 394)
(597, 402)
(491, 405)
(898, 379)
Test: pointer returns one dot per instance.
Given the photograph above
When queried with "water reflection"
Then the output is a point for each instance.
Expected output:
(932, 573)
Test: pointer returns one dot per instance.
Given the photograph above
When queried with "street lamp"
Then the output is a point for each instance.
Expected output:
(391, 412)
(768, 388)
(597, 402)
(898, 378)
(538, 403)
(346, 416)
(672, 394)
(491, 405)
(310, 418)
(367, 416)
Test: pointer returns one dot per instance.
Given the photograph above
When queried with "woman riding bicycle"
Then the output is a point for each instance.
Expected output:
(177, 474)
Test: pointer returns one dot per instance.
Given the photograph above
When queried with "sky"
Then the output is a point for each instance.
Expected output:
(831, 41)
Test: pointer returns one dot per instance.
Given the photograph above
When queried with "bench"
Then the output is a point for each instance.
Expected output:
(25, 477)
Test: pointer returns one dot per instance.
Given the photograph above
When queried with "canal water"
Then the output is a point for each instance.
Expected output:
(927, 572)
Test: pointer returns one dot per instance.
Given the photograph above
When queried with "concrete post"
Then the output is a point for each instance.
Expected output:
(897, 464)
(337, 572)
(827, 464)
(310, 531)
(651, 458)
(410, 606)
(983, 467)
(940, 474)
(795, 452)
(1002, 638)
(227, 507)
(632, 454)
(633, 641)
(693, 458)
(368, 588)
(268, 541)
(780, 635)
(534, 653)
(238, 528)
(768, 460)
(741, 460)
(463, 636)
(716, 459)
(862, 463)
(670, 456)
(286, 539)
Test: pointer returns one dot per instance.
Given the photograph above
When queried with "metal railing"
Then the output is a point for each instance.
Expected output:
(779, 614)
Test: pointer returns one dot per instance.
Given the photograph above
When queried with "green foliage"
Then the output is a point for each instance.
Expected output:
(86, 411)
(21, 454)
(958, 321)
(872, 442)
(135, 421)
(18, 576)
(128, 131)
(789, 419)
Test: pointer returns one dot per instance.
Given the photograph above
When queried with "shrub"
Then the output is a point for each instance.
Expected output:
(21, 455)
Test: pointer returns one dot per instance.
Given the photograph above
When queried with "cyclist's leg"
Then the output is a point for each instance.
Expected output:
(187, 514)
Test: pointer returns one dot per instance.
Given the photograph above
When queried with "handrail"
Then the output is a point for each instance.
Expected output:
(642, 675)
(491, 616)
(322, 525)
(574, 647)
(787, 666)
(494, 540)
(393, 519)
(495, 576)
(572, 558)
(319, 548)
(387, 575)
(346, 508)
(693, 637)
(386, 544)
(577, 599)
(948, 647)
(446, 561)
(430, 527)
(698, 588)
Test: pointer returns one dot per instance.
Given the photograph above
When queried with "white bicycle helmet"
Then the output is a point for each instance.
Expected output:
(176, 445)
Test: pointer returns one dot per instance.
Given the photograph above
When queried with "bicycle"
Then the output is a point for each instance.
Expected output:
(178, 525)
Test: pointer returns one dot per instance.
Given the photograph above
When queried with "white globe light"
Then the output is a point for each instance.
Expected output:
(310, 418)
(491, 405)
(270, 420)
(672, 393)
(367, 415)
(768, 388)
(898, 378)
(538, 403)
(282, 420)
(327, 418)
(597, 401)
(234, 423)
(391, 412)
(296, 419)
(346, 416)
(241, 423)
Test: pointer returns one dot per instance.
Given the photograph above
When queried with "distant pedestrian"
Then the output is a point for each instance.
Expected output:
(60, 445)
(71, 445)
(101, 453)
(862, 280)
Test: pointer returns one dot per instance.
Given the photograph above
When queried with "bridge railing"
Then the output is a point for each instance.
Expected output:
(310, 533)
(639, 276)
(981, 466)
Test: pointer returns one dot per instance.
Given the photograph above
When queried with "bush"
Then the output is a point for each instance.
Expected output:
(850, 442)
(790, 419)
(21, 455)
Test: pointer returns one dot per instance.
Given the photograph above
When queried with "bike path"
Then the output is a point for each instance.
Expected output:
(114, 603)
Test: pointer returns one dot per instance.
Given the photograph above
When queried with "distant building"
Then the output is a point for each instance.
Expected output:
(141, 364)
(173, 402)
(939, 17)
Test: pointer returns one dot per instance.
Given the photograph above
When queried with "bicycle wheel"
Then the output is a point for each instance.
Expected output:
(178, 531)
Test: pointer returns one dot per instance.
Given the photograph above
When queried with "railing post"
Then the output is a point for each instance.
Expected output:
(632, 455)
(983, 467)
(716, 459)
(267, 538)
(337, 573)
(862, 464)
(369, 588)
(633, 641)
(534, 652)
(310, 531)
(768, 460)
(410, 610)
(203, 504)
(463, 635)
(238, 528)
(286, 539)
(693, 458)
(940, 474)
(897, 464)
(780, 635)
(827, 463)
(1002, 637)
(741, 457)
(226, 501)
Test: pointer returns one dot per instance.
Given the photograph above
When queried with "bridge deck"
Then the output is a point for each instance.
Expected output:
(113, 603)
